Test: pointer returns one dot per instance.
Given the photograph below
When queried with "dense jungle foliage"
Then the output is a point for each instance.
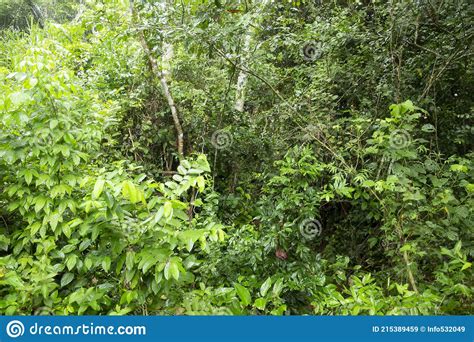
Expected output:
(231, 157)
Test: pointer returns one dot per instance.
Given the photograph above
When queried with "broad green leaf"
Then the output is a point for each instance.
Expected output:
(66, 278)
(39, 203)
(159, 215)
(106, 264)
(260, 303)
(406, 247)
(34, 228)
(277, 287)
(71, 262)
(243, 294)
(168, 209)
(202, 163)
(459, 168)
(189, 237)
(201, 183)
(88, 263)
(28, 176)
(54, 220)
(130, 260)
(185, 163)
(30, 82)
(98, 188)
(265, 286)
(84, 245)
(171, 269)
(53, 123)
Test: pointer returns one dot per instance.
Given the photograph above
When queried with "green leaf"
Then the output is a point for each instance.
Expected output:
(446, 251)
(54, 220)
(429, 128)
(406, 247)
(202, 163)
(279, 311)
(260, 303)
(39, 203)
(265, 286)
(34, 228)
(408, 105)
(159, 215)
(98, 188)
(185, 163)
(30, 82)
(109, 199)
(277, 287)
(71, 262)
(88, 263)
(190, 237)
(459, 168)
(147, 263)
(28, 176)
(69, 138)
(84, 245)
(66, 231)
(66, 278)
(19, 76)
(106, 264)
(171, 269)
(201, 183)
(53, 123)
(18, 97)
(129, 191)
(168, 209)
(130, 260)
(243, 294)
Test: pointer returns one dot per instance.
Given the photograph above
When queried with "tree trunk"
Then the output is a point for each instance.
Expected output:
(36, 12)
(168, 53)
(242, 78)
(245, 57)
(164, 85)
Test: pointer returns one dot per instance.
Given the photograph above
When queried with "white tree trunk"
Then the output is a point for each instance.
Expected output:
(167, 47)
(164, 84)
(245, 57)
(242, 78)
(168, 53)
